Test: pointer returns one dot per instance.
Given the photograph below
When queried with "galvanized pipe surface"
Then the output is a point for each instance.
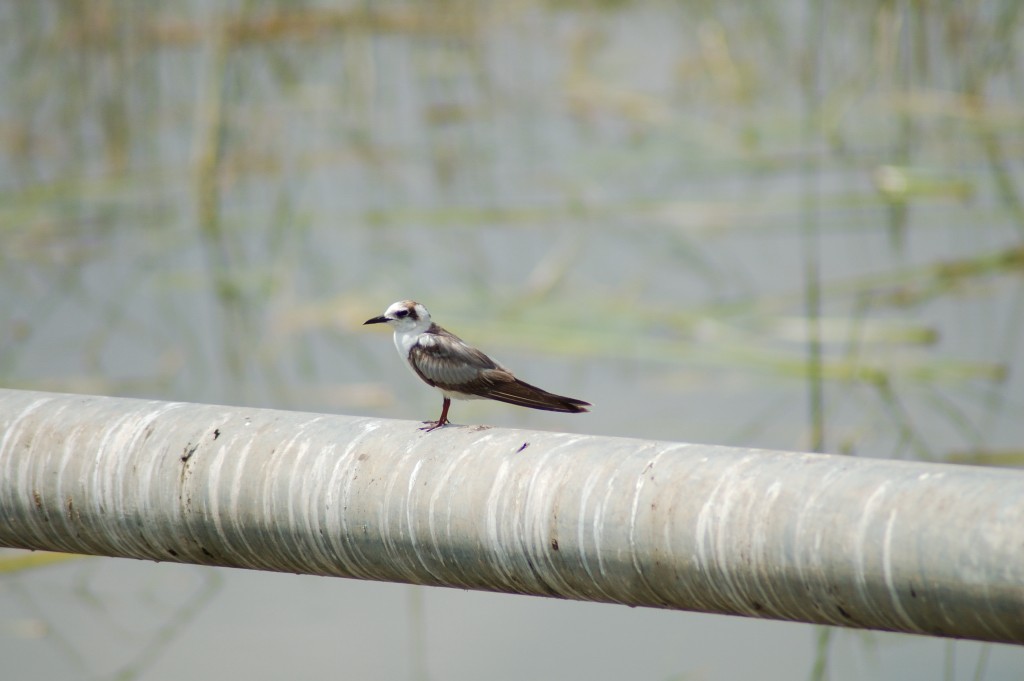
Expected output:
(913, 547)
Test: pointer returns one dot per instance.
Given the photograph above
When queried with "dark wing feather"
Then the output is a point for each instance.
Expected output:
(510, 389)
(443, 360)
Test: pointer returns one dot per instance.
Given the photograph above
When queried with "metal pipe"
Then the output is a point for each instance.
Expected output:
(901, 546)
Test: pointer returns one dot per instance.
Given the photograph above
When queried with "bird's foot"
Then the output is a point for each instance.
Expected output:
(442, 420)
(434, 425)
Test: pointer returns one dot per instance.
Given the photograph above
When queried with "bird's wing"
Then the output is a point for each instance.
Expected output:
(443, 360)
(508, 388)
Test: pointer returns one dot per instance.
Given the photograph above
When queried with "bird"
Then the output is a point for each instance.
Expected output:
(459, 371)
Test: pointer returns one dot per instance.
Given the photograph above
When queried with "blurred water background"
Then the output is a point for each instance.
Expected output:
(794, 225)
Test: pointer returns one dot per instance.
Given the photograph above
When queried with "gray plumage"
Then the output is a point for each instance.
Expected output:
(446, 362)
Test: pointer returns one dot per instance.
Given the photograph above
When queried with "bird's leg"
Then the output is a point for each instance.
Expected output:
(443, 421)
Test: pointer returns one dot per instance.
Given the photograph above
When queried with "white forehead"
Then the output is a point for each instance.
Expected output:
(395, 307)
(409, 306)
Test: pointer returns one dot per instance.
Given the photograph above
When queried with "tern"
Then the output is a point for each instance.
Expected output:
(459, 371)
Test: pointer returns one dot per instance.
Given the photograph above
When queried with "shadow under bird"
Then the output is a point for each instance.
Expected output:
(459, 371)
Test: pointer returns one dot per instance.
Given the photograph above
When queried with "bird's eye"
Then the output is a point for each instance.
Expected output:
(401, 313)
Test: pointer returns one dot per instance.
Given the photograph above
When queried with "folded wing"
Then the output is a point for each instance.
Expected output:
(444, 361)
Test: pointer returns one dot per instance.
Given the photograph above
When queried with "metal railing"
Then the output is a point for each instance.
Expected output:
(902, 546)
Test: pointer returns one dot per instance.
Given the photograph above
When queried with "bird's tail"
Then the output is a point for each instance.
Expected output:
(525, 395)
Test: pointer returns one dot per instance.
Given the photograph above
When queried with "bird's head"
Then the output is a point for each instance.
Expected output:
(405, 315)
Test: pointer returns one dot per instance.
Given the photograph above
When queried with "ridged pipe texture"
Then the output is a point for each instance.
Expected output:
(902, 546)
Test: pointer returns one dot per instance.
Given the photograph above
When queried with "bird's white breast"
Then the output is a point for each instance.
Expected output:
(404, 340)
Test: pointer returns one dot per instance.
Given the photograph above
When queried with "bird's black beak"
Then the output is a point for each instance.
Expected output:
(376, 320)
